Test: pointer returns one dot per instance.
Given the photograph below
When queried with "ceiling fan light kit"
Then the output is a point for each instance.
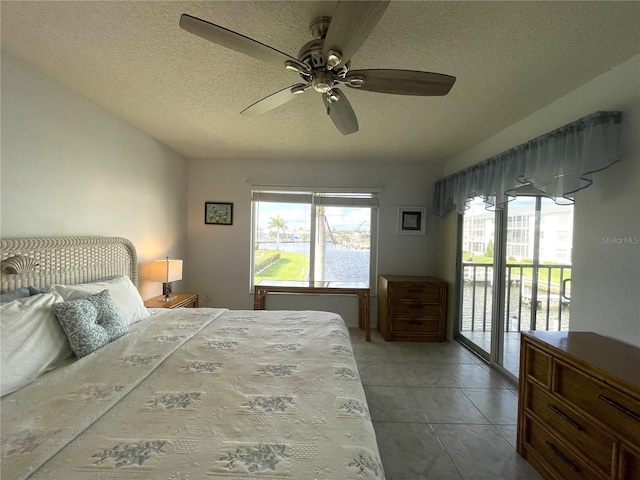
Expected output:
(324, 62)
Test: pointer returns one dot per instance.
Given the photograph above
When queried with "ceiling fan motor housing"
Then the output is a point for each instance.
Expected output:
(311, 55)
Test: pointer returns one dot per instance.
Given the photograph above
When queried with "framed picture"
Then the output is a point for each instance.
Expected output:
(218, 213)
(412, 220)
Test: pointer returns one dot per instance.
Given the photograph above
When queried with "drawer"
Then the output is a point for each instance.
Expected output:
(574, 428)
(629, 464)
(556, 456)
(416, 309)
(406, 325)
(424, 292)
(604, 403)
(538, 365)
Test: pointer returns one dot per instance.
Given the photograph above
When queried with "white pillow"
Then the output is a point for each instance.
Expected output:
(32, 340)
(122, 291)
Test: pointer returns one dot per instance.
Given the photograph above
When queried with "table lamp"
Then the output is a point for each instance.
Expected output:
(166, 271)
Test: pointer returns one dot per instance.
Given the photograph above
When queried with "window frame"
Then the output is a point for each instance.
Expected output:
(318, 196)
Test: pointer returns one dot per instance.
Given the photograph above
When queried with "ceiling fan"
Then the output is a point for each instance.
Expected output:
(324, 62)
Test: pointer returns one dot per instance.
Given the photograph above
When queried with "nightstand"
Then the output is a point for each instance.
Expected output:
(182, 300)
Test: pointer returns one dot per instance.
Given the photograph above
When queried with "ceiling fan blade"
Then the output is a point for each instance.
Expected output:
(236, 41)
(402, 82)
(350, 26)
(341, 113)
(272, 101)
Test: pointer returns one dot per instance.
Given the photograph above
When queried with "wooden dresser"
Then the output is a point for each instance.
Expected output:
(579, 406)
(412, 308)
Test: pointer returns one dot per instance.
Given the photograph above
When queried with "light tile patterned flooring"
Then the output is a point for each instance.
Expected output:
(439, 412)
(511, 347)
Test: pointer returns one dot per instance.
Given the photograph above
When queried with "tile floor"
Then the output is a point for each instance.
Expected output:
(511, 347)
(439, 412)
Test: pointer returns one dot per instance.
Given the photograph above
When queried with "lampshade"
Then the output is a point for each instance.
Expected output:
(166, 270)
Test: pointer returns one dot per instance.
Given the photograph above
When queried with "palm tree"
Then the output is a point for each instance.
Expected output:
(278, 224)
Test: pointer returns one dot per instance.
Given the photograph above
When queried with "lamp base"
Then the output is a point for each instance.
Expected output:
(160, 299)
(166, 291)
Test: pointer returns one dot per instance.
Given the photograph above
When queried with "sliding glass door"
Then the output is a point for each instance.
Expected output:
(476, 278)
(529, 243)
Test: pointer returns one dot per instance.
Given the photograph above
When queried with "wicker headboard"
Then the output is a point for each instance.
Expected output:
(42, 262)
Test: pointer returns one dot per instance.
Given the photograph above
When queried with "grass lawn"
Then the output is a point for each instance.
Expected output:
(291, 266)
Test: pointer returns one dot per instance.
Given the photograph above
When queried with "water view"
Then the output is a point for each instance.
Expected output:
(340, 263)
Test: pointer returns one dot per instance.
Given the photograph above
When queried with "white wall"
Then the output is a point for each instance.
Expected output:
(68, 167)
(606, 273)
(218, 259)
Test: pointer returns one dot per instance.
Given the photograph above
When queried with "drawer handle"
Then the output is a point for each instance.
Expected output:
(624, 410)
(561, 455)
(414, 322)
(416, 307)
(572, 422)
(415, 290)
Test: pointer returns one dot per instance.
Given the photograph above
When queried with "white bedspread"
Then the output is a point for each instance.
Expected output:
(198, 394)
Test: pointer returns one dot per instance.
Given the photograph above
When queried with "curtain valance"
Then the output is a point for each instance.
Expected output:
(556, 164)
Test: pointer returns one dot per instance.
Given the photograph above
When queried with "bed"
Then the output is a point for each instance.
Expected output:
(182, 394)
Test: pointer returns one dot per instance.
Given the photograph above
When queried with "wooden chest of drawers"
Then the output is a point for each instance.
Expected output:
(412, 308)
(579, 406)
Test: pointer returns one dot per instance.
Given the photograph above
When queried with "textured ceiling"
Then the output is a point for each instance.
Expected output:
(510, 59)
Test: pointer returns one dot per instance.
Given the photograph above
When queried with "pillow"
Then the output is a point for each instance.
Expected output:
(123, 292)
(37, 290)
(14, 295)
(32, 341)
(90, 323)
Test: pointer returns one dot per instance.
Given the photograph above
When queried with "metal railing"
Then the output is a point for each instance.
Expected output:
(543, 308)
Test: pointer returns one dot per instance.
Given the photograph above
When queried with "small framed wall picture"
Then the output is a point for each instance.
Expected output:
(218, 213)
(411, 220)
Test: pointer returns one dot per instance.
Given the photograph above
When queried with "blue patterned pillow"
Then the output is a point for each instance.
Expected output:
(91, 322)
(14, 295)
(37, 290)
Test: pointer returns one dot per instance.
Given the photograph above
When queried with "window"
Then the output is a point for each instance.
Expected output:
(314, 236)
